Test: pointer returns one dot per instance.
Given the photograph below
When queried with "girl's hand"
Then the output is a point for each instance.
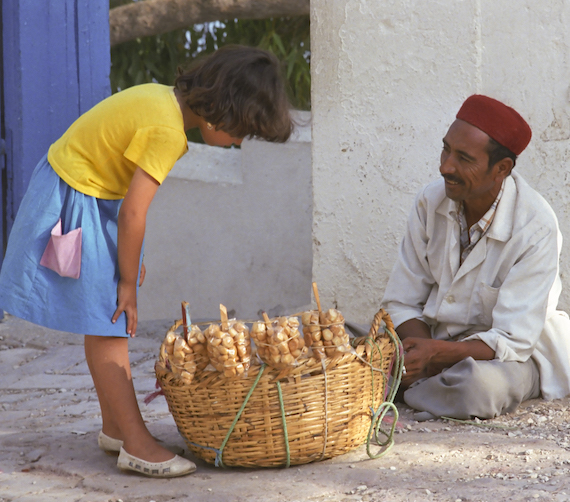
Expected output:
(127, 303)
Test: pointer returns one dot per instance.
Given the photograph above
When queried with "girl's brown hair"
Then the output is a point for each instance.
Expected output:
(240, 90)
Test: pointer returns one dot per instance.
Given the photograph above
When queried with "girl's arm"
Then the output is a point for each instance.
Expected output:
(132, 222)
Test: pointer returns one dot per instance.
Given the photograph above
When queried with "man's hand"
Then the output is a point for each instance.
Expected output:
(417, 359)
(427, 357)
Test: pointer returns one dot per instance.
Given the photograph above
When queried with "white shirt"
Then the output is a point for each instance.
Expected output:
(506, 291)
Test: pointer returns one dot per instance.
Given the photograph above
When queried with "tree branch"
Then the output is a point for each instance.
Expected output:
(153, 17)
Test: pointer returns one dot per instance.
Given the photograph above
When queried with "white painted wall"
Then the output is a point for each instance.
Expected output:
(388, 79)
(232, 226)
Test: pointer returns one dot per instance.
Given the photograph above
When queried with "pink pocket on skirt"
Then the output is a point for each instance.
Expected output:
(63, 252)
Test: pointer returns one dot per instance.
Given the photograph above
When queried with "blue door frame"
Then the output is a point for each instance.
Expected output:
(55, 66)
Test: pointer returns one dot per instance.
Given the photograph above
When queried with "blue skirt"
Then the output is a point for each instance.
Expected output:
(39, 295)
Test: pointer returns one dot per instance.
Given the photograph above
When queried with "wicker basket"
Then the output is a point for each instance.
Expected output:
(318, 410)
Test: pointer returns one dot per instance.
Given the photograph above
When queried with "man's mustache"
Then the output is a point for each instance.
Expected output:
(453, 179)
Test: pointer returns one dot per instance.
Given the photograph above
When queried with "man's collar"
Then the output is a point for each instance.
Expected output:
(501, 229)
(483, 224)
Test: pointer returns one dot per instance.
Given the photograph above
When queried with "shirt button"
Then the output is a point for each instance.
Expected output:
(450, 299)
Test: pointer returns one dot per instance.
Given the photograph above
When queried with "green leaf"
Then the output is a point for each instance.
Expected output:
(277, 39)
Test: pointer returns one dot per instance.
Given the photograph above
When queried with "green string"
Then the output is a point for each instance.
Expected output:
(399, 364)
(372, 343)
(283, 419)
(375, 426)
(378, 416)
(221, 451)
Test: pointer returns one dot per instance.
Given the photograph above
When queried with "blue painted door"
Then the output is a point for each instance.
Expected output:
(55, 66)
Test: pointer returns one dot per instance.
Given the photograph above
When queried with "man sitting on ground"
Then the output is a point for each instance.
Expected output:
(474, 291)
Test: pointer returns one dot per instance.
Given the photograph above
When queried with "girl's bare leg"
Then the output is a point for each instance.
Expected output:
(108, 361)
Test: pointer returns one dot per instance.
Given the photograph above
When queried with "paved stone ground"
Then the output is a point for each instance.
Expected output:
(49, 420)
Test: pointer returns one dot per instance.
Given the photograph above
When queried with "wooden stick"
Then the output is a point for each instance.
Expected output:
(316, 292)
(224, 317)
(268, 327)
(186, 320)
(321, 314)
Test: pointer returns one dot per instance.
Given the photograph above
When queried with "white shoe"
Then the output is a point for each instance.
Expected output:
(109, 444)
(172, 468)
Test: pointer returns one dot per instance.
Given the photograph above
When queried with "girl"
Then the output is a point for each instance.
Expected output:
(97, 181)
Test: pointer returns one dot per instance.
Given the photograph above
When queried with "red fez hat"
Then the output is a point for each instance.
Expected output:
(498, 120)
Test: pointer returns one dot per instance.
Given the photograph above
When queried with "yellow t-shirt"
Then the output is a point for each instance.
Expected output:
(140, 126)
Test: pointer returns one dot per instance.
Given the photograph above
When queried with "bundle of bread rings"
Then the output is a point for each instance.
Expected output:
(185, 354)
(325, 334)
(181, 357)
(279, 342)
(229, 347)
(197, 343)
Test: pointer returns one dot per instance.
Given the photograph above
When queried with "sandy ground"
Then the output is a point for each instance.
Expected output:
(49, 421)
